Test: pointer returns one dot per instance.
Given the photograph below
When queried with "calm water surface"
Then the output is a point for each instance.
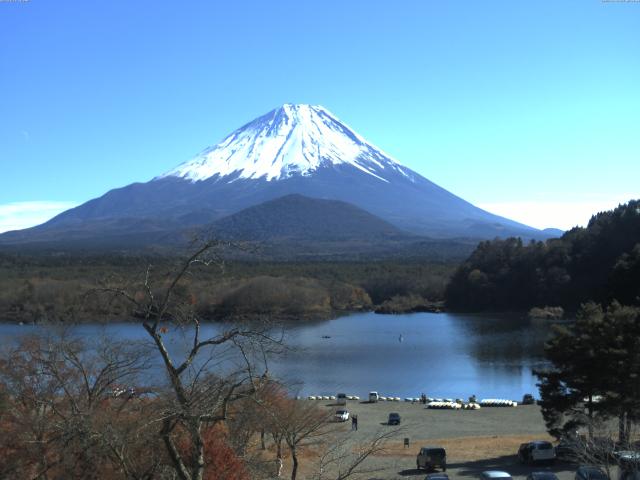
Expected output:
(442, 355)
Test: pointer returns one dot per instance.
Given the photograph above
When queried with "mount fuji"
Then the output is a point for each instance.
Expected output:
(294, 149)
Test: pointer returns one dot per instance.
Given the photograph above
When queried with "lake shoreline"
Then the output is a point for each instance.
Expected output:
(221, 318)
(485, 355)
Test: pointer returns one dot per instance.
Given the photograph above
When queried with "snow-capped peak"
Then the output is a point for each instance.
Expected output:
(295, 139)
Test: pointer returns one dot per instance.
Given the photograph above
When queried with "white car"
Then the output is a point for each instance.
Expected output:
(537, 451)
(341, 415)
(495, 475)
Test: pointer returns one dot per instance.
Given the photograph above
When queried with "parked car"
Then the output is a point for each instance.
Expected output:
(576, 447)
(430, 458)
(342, 415)
(629, 463)
(589, 472)
(495, 475)
(601, 448)
(542, 476)
(437, 476)
(394, 419)
(567, 449)
(373, 397)
(537, 451)
(528, 399)
(628, 459)
(629, 475)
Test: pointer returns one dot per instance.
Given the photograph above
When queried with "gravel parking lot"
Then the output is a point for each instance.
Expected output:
(475, 440)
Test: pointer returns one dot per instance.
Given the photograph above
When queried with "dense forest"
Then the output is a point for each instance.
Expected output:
(600, 262)
(48, 288)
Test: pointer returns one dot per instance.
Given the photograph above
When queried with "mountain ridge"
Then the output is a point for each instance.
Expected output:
(286, 151)
(295, 217)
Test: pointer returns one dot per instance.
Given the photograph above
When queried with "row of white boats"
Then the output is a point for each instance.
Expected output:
(460, 405)
(434, 403)
(453, 406)
(333, 397)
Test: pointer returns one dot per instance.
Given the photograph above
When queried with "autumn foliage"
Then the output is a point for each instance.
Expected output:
(222, 462)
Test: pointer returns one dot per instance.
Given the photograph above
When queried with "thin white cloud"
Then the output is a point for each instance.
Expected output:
(563, 214)
(19, 215)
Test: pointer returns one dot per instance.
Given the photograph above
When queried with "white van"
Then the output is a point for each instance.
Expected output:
(373, 397)
(341, 399)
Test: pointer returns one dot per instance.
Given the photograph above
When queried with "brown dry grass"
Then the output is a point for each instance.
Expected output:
(465, 448)
(461, 449)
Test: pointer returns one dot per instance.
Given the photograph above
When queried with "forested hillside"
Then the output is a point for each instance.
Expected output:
(36, 289)
(600, 262)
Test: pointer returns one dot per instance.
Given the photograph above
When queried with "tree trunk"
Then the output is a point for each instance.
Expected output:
(294, 469)
(622, 430)
(198, 451)
(174, 455)
(590, 415)
(278, 442)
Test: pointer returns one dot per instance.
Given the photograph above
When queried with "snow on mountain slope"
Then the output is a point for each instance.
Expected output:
(292, 150)
(288, 141)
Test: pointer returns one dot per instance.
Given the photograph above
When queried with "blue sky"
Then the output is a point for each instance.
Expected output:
(530, 109)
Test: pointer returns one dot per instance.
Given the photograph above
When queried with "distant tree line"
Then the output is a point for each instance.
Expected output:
(55, 288)
(600, 262)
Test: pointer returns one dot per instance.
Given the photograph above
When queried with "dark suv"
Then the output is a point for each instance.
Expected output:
(430, 458)
(394, 419)
(629, 464)
(588, 472)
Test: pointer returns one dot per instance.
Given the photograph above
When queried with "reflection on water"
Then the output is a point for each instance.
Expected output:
(505, 338)
(442, 355)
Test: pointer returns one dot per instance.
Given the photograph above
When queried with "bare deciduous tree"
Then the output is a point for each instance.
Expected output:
(64, 411)
(296, 423)
(599, 447)
(342, 460)
(198, 395)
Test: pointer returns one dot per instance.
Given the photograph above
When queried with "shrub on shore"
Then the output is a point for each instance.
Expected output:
(546, 313)
(408, 304)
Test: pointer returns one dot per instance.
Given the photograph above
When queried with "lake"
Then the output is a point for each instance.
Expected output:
(442, 355)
